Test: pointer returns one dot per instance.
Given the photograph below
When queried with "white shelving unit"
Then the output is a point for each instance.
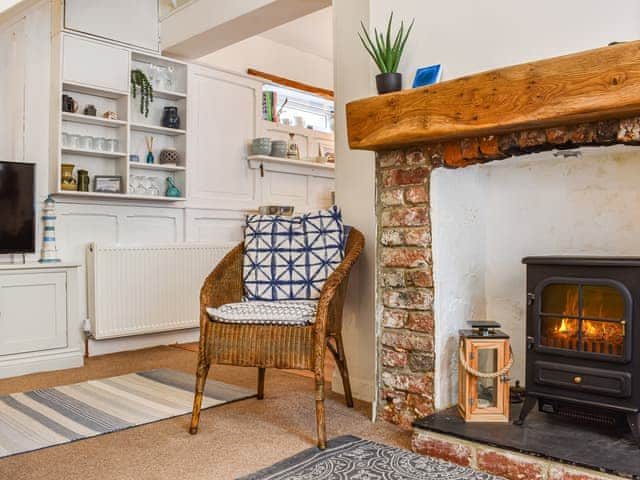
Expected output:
(130, 129)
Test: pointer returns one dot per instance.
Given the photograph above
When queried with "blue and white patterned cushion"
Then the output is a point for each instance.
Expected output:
(290, 258)
(266, 313)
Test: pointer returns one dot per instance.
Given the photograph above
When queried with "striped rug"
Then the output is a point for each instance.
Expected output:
(43, 418)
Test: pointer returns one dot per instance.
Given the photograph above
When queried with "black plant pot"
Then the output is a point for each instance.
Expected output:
(389, 82)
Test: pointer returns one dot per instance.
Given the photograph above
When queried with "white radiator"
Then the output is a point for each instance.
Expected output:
(134, 290)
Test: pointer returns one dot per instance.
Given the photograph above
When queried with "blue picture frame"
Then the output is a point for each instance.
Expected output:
(427, 75)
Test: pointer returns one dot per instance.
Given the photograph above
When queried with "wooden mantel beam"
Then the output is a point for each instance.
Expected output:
(594, 85)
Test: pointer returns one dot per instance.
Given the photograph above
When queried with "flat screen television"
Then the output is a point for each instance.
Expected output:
(17, 211)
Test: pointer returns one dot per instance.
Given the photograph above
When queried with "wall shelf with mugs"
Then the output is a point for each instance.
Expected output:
(107, 147)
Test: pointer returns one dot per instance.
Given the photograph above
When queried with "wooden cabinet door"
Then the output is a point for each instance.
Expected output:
(131, 22)
(95, 64)
(33, 312)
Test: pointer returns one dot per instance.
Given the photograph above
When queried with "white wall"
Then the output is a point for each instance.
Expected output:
(468, 36)
(487, 218)
(276, 58)
(355, 193)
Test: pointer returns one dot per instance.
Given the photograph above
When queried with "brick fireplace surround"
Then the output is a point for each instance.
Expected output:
(454, 125)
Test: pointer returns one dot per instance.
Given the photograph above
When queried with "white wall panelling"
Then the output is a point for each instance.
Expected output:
(225, 113)
(39, 319)
(132, 23)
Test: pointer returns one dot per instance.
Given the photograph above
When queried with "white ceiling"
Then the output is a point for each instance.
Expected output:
(312, 33)
(4, 4)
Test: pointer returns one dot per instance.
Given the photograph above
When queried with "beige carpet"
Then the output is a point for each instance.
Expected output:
(234, 439)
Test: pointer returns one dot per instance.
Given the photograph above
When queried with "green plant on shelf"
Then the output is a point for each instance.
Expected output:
(140, 81)
(385, 52)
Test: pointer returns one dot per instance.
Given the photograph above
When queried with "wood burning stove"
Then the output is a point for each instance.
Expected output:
(583, 339)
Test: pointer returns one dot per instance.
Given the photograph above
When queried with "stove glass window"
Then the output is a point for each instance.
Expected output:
(585, 318)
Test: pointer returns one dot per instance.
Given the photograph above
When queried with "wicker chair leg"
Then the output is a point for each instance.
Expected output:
(320, 415)
(341, 361)
(201, 380)
(261, 375)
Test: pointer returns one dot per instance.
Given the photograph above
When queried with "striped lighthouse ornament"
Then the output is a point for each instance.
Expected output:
(49, 252)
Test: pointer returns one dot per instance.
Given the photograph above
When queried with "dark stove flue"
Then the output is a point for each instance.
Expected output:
(581, 332)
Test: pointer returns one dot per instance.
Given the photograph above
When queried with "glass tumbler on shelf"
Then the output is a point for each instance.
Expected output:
(170, 79)
(86, 142)
(99, 143)
(65, 139)
(74, 140)
(111, 145)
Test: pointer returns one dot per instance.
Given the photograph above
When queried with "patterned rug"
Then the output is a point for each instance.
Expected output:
(43, 418)
(356, 459)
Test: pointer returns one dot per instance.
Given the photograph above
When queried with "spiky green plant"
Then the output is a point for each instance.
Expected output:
(386, 53)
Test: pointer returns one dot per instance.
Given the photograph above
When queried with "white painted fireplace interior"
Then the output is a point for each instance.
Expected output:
(486, 218)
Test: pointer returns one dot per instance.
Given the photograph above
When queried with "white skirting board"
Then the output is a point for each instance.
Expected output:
(124, 344)
(44, 361)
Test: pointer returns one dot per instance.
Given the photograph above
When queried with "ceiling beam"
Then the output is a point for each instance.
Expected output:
(206, 26)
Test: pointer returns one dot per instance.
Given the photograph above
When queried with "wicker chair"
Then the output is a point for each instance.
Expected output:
(274, 346)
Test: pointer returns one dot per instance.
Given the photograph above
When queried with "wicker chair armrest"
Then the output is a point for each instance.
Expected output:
(335, 286)
(224, 284)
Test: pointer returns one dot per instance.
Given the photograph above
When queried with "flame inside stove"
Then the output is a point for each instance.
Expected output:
(596, 336)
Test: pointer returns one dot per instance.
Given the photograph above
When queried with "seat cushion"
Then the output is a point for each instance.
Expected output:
(266, 313)
(290, 258)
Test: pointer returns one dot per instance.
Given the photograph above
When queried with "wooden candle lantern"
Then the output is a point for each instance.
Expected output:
(485, 360)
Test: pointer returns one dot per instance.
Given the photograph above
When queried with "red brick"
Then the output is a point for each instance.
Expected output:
(558, 135)
(470, 148)
(392, 278)
(405, 257)
(411, 383)
(392, 158)
(453, 155)
(450, 451)
(629, 130)
(421, 404)
(393, 318)
(392, 237)
(418, 299)
(420, 321)
(392, 197)
(403, 217)
(583, 133)
(562, 473)
(489, 146)
(401, 176)
(419, 278)
(434, 153)
(420, 237)
(416, 194)
(531, 138)
(402, 415)
(391, 358)
(407, 340)
(420, 362)
(509, 466)
(415, 156)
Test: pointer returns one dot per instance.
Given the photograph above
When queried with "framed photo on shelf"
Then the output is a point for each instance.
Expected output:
(107, 184)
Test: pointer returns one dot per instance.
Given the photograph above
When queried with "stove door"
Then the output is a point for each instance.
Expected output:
(583, 317)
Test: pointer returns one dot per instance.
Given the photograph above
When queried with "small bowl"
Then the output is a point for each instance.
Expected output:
(261, 146)
(279, 148)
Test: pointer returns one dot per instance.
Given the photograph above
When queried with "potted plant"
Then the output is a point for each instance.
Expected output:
(386, 54)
